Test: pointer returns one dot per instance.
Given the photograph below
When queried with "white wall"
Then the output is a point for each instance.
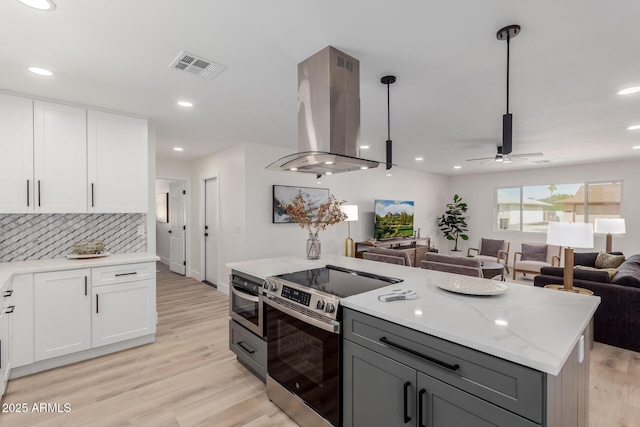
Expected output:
(479, 192)
(162, 228)
(151, 186)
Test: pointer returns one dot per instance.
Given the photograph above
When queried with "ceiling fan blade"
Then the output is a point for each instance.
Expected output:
(527, 155)
(481, 158)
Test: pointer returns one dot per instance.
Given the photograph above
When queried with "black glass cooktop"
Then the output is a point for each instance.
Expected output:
(339, 281)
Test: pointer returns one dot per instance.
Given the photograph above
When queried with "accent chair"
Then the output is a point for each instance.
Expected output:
(534, 256)
(491, 250)
(452, 264)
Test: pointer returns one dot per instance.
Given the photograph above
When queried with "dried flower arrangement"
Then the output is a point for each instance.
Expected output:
(315, 219)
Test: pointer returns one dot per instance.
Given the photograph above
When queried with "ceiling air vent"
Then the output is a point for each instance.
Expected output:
(197, 65)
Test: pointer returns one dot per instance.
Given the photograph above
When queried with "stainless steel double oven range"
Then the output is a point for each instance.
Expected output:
(303, 326)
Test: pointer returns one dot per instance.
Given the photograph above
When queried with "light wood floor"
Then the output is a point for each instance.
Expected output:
(188, 377)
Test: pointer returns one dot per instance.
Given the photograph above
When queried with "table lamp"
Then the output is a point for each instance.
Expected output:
(351, 211)
(570, 235)
(610, 226)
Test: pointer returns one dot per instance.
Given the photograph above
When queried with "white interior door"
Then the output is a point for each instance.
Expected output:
(211, 239)
(178, 224)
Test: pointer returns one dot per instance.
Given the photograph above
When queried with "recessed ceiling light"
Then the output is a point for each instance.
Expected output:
(389, 173)
(328, 173)
(293, 169)
(178, 149)
(634, 127)
(457, 167)
(364, 168)
(637, 147)
(328, 163)
(47, 5)
(419, 158)
(629, 90)
(364, 147)
(185, 104)
(41, 71)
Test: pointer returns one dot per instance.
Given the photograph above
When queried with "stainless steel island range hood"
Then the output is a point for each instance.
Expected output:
(328, 116)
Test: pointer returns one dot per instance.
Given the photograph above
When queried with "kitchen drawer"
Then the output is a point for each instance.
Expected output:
(250, 349)
(114, 274)
(514, 387)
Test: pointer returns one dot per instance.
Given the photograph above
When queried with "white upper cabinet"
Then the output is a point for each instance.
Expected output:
(16, 139)
(60, 153)
(117, 163)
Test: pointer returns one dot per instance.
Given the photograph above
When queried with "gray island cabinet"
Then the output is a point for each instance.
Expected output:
(397, 376)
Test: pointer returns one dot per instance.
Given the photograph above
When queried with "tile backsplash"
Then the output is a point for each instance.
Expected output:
(42, 236)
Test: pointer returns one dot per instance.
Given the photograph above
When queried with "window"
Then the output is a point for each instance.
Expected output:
(531, 208)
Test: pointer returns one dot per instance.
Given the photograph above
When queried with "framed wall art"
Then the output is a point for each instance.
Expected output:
(284, 194)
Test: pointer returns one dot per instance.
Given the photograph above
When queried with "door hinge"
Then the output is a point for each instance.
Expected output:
(184, 227)
(184, 191)
(184, 262)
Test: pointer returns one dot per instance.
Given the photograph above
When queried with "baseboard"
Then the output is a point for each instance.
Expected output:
(166, 261)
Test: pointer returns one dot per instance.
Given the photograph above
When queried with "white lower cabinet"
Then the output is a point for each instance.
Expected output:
(62, 306)
(123, 311)
(7, 308)
(22, 319)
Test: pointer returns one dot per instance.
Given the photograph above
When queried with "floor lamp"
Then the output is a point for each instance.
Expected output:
(352, 215)
(610, 226)
(570, 235)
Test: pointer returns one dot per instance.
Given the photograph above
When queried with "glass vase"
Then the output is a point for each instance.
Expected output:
(313, 246)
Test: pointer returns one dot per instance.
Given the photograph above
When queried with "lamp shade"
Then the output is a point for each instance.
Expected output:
(610, 226)
(570, 234)
(351, 211)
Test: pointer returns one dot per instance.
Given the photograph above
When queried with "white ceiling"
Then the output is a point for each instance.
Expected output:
(566, 67)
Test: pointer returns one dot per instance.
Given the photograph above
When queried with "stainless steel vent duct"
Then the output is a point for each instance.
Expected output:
(328, 116)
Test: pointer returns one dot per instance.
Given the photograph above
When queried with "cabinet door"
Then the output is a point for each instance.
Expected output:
(4, 349)
(123, 311)
(22, 321)
(16, 173)
(60, 158)
(118, 163)
(62, 313)
(377, 391)
(442, 405)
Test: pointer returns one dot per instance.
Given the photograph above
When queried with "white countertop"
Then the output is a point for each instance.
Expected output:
(536, 327)
(9, 269)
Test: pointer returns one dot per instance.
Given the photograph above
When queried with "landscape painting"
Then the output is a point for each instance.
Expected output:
(284, 194)
(394, 219)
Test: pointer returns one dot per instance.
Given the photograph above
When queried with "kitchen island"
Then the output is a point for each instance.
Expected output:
(538, 339)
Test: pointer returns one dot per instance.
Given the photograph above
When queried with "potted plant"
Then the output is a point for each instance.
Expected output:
(453, 223)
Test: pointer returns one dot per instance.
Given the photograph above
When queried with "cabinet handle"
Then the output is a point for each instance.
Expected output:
(206, 234)
(8, 293)
(420, 408)
(85, 286)
(126, 274)
(420, 355)
(11, 307)
(407, 418)
(97, 309)
(241, 345)
(38, 192)
(27, 192)
(169, 231)
(92, 205)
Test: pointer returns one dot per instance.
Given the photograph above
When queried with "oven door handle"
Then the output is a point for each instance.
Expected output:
(245, 295)
(329, 326)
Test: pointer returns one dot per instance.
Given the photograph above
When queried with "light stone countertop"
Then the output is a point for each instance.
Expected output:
(531, 326)
(10, 269)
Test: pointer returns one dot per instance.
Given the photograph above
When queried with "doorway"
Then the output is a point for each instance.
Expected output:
(171, 245)
(211, 237)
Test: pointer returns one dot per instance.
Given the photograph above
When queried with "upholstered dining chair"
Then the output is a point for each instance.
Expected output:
(391, 256)
(534, 256)
(491, 250)
(452, 264)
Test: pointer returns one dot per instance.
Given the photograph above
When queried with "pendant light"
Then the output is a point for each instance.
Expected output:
(388, 80)
(507, 33)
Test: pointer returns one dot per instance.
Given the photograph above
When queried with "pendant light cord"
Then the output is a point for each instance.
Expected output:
(388, 115)
(508, 39)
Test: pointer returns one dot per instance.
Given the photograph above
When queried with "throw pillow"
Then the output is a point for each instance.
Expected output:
(534, 253)
(490, 247)
(606, 260)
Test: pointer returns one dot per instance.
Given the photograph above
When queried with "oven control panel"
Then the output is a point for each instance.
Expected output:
(303, 298)
(318, 302)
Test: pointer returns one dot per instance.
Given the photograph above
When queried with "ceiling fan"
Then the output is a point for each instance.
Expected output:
(505, 158)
